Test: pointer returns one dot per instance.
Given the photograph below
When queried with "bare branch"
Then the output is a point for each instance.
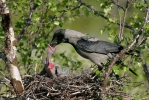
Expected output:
(119, 19)
(145, 1)
(117, 4)
(28, 21)
(145, 67)
(103, 16)
(126, 49)
(124, 19)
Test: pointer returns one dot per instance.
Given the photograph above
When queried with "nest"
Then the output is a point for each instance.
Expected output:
(74, 87)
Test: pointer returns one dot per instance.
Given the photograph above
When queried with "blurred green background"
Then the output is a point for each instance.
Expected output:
(38, 35)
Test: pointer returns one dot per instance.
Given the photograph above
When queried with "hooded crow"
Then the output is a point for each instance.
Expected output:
(96, 50)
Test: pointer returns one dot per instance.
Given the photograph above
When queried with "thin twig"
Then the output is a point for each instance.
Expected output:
(28, 21)
(103, 16)
(145, 1)
(126, 49)
(145, 67)
(117, 4)
(124, 19)
(119, 38)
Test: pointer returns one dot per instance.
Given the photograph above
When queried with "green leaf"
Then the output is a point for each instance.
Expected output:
(77, 12)
(21, 44)
(147, 26)
(68, 13)
(96, 14)
(14, 3)
(86, 12)
(56, 22)
(57, 13)
(101, 31)
(39, 2)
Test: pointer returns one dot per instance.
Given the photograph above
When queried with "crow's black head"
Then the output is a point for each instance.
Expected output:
(58, 37)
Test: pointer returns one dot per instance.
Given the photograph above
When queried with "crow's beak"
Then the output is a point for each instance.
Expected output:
(53, 42)
(52, 49)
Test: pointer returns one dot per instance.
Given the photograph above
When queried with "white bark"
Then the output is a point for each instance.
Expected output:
(10, 48)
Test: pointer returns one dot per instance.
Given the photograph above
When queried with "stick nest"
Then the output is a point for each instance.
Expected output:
(74, 87)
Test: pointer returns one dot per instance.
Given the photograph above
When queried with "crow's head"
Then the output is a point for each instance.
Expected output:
(58, 37)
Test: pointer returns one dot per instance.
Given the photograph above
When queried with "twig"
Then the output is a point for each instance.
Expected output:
(35, 69)
(126, 49)
(123, 23)
(103, 16)
(28, 21)
(117, 4)
(145, 1)
(119, 18)
(145, 67)
(76, 93)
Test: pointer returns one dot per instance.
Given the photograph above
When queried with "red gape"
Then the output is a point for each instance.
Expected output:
(51, 65)
(51, 69)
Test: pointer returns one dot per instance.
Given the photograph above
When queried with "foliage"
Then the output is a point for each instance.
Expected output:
(35, 21)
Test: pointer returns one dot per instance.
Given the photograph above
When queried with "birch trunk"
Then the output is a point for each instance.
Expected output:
(10, 48)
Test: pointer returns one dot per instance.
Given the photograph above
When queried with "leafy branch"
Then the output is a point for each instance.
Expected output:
(121, 54)
(28, 21)
(100, 13)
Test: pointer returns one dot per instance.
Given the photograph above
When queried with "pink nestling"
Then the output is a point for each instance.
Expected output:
(52, 69)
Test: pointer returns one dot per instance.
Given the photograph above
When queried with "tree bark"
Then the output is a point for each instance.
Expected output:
(10, 48)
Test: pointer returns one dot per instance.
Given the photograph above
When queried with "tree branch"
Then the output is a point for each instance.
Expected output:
(117, 4)
(10, 48)
(103, 16)
(145, 67)
(124, 19)
(126, 49)
(28, 21)
(118, 8)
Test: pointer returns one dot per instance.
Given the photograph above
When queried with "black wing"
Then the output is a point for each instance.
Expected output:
(98, 46)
